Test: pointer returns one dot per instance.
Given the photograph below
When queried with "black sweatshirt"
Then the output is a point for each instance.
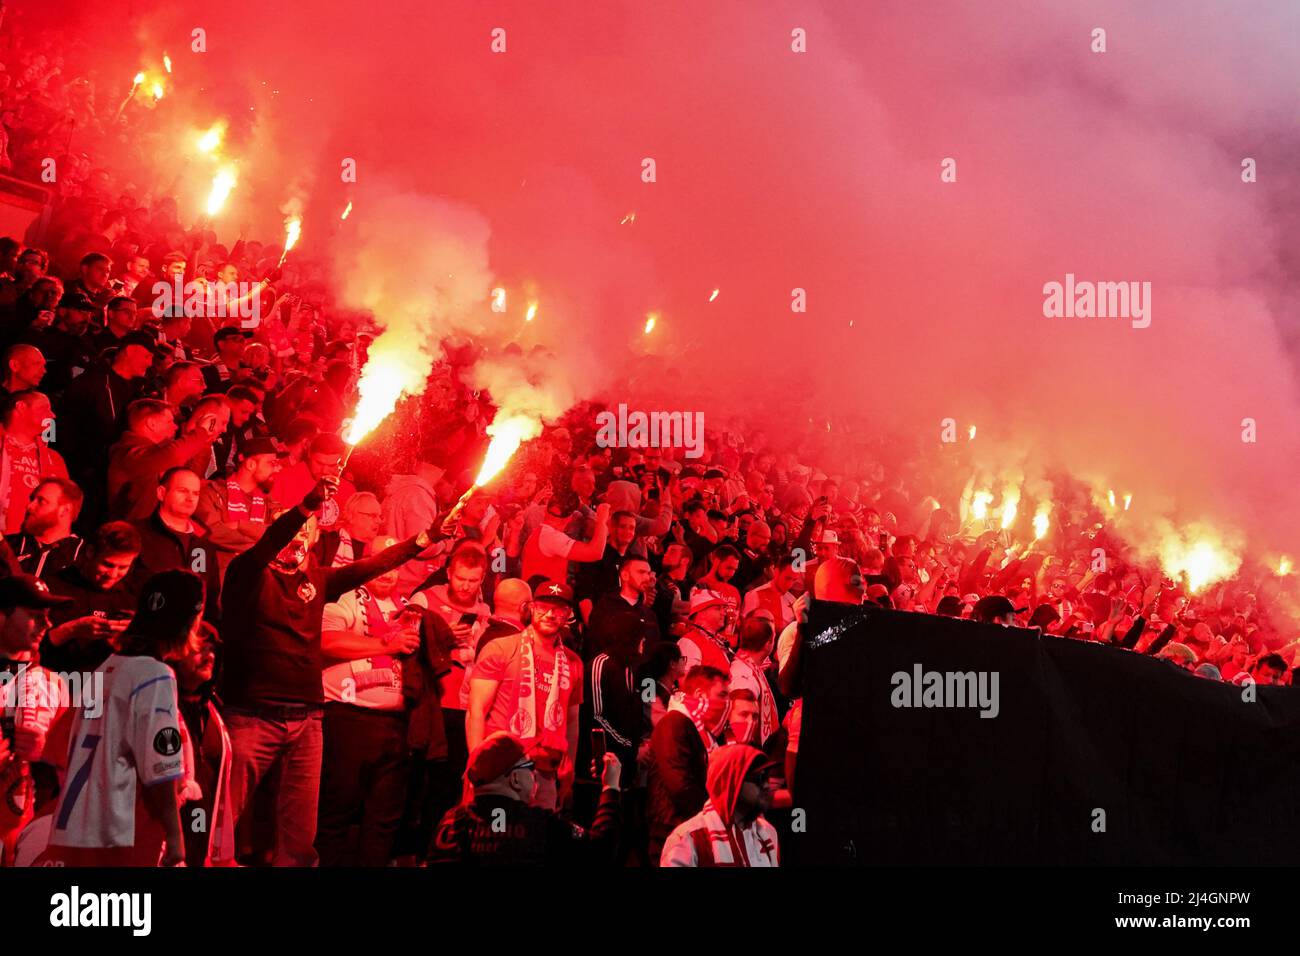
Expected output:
(271, 619)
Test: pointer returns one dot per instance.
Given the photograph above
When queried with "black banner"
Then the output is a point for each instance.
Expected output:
(1088, 754)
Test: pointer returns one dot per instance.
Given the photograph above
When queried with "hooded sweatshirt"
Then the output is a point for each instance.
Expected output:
(714, 837)
(410, 506)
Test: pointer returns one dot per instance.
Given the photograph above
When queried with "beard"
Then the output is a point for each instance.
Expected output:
(38, 524)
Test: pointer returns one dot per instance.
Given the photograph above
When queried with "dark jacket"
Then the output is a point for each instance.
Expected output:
(271, 619)
(66, 355)
(531, 836)
(679, 767)
(91, 416)
(43, 561)
(162, 549)
(614, 621)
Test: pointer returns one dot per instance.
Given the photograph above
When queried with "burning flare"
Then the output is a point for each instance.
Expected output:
(715, 295)
(1010, 505)
(498, 299)
(157, 91)
(1202, 557)
(1041, 520)
(507, 435)
(292, 230)
(210, 140)
(971, 434)
(347, 211)
(532, 312)
(650, 321)
(1284, 566)
(979, 504)
(167, 62)
(222, 185)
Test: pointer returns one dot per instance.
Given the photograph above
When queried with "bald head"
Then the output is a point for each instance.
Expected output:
(838, 580)
(510, 595)
(24, 367)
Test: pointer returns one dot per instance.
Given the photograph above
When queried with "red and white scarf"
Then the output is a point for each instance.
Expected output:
(239, 507)
(524, 723)
(694, 708)
(767, 716)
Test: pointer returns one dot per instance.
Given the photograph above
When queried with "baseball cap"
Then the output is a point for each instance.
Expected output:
(262, 446)
(703, 599)
(493, 757)
(231, 332)
(78, 301)
(555, 592)
(23, 590)
(830, 537)
(949, 606)
(142, 339)
(169, 602)
(993, 606)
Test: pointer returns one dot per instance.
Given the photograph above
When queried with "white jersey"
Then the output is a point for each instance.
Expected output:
(372, 682)
(135, 741)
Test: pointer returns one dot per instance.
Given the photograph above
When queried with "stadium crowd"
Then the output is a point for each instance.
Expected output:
(285, 657)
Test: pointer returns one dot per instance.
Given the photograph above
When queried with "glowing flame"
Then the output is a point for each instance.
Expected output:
(347, 211)
(1041, 520)
(498, 299)
(157, 91)
(507, 435)
(222, 185)
(167, 62)
(1128, 500)
(532, 312)
(628, 219)
(1111, 495)
(971, 434)
(1284, 566)
(139, 78)
(1010, 505)
(714, 296)
(979, 504)
(292, 230)
(210, 140)
(1202, 559)
(650, 321)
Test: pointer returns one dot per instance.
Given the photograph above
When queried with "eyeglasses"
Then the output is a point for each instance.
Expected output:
(526, 765)
(553, 610)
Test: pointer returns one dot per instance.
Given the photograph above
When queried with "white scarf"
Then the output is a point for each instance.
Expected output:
(694, 712)
(767, 720)
(524, 723)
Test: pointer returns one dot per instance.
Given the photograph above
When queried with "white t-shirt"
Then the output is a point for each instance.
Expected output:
(554, 543)
(785, 643)
(376, 682)
(135, 741)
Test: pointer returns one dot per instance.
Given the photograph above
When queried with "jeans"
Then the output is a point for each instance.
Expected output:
(363, 785)
(290, 748)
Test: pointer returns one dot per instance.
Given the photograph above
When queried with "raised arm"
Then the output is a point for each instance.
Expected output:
(339, 581)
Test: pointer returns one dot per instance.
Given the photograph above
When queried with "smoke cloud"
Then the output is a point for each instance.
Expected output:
(818, 171)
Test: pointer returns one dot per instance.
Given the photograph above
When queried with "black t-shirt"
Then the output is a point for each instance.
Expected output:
(87, 601)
